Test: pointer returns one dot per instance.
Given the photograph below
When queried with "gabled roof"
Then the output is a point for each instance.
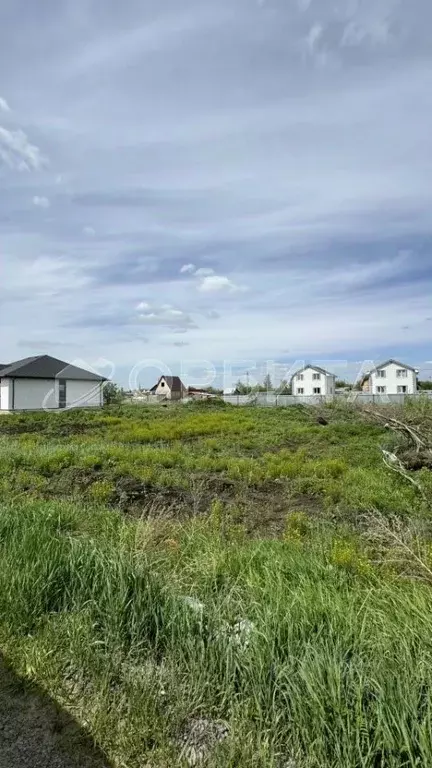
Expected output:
(389, 362)
(313, 368)
(174, 383)
(46, 367)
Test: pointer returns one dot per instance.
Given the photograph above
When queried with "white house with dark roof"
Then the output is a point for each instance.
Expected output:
(313, 381)
(45, 383)
(170, 388)
(391, 378)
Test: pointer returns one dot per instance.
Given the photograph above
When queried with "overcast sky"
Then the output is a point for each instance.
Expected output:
(216, 180)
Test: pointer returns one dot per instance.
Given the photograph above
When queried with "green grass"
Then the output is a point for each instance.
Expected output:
(289, 597)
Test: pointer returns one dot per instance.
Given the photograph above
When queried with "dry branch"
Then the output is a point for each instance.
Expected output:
(418, 438)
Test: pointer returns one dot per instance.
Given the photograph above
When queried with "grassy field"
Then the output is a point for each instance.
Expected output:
(247, 586)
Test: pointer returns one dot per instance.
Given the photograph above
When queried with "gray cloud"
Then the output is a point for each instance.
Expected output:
(283, 146)
(42, 345)
(165, 316)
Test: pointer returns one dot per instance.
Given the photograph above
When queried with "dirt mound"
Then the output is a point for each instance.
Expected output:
(134, 497)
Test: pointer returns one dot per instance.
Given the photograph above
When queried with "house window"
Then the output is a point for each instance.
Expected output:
(62, 393)
(162, 384)
(316, 376)
(381, 390)
(300, 391)
(401, 390)
(401, 373)
(317, 390)
(381, 374)
(299, 377)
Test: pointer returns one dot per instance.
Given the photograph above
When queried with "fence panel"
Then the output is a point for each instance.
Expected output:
(271, 399)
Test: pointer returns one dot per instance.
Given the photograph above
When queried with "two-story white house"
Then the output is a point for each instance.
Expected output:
(313, 381)
(391, 378)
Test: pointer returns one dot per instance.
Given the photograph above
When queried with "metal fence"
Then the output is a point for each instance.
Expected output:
(270, 399)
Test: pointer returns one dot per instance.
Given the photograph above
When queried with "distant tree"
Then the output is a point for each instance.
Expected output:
(113, 394)
(267, 383)
(284, 388)
(242, 388)
(340, 383)
(424, 384)
(214, 391)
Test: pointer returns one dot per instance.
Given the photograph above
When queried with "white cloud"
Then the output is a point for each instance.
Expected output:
(89, 231)
(175, 319)
(187, 268)
(4, 106)
(41, 202)
(204, 271)
(17, 153)
(315, 34)
(218, 283)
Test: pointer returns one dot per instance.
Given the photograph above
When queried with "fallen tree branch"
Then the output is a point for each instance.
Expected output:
(394, 463)
(413, 433)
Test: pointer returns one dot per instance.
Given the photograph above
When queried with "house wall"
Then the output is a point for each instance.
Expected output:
(33, 394)
(84, 394)
(38, 394)
(163, 389)
(391, 381)
(327, 383)
(5, 394)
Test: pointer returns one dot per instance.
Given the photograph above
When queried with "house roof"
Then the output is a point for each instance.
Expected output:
(313, 368)
(174, 383)
(385, 364)
(46, 367)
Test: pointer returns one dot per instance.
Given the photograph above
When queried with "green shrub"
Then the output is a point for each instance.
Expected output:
(102, 491)
(297, 526)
